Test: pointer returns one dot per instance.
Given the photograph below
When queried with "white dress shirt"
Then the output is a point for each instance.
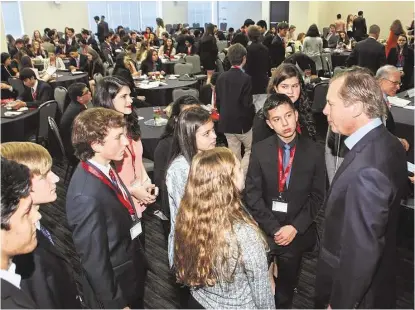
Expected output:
(11, 276)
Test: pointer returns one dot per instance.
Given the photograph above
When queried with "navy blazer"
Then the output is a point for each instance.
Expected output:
(356, 267)
(114, 266)
(44, 92)
(305, 193)
(368, 53)
(13, 298)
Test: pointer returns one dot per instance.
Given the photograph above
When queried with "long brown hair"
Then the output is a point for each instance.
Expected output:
(205, 245)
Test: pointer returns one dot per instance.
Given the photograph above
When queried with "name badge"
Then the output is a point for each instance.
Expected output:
(279, 206)
(136, 230)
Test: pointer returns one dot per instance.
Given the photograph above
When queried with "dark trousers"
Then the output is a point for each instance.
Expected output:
(288, 270)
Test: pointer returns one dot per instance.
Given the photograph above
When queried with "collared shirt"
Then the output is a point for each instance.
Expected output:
(291, 144)
(239, 67)
(104, 169)
(361, 132)
(11, 276)
(34, 87)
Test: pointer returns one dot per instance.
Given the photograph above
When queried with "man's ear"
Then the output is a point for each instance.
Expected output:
(357, 109)
(97, 147)
(269, 124)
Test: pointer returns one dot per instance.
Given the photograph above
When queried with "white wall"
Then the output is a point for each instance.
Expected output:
(174, 12)
(236, 12)
(3, 46)
(49, 14)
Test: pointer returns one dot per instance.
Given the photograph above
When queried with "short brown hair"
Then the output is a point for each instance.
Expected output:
(254, 33)
(359, 85)
(92, 126)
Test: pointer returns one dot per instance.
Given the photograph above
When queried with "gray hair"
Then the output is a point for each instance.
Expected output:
(236, 54)
(359, 85)
(385, 71)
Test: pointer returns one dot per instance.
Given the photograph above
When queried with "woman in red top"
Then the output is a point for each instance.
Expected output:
(395, 30)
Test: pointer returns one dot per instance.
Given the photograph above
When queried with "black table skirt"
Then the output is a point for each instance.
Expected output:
(339, 60)
(19, 128)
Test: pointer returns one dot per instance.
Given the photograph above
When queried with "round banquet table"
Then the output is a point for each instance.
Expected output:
(150, 135)
(163, 95)
(19, 128)
(339, 59)
(65, 79)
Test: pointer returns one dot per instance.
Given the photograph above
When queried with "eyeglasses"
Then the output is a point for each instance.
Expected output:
(396, 83)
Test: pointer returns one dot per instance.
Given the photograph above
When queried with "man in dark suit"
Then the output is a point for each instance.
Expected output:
(102, 28)
(78, 62)
(357, 263)
(45, 274)
(234, 102)
(332, 37)
(284, 190)
(266, 36)
(277, 47)
(101, 214)
(61, 50)
(107, 50)
(257, 62)
(80, 96)
(70, 39)
(89, 40)
(18, 236)
(359, 27)
(36, 91)
(368, 53)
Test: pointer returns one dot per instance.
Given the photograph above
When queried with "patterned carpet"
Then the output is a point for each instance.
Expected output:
(160, 290)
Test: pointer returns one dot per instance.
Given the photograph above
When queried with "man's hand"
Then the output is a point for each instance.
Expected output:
(17, 105)
(285, 235)
(405, 144)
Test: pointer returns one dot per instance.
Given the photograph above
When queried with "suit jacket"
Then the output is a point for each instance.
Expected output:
(114, 266)
(59, 50)
(368, 53)
(46, 277)
(305, 193)
(13, 298)
(102, 30)
(258, 67)
(83, 63)
(359, 27)
(408, 66)
(267, 39)
(208, 51)
(277, 51)
(65, 128)
(234, 102)
(44, 93)
(332, 40)
(357, 261)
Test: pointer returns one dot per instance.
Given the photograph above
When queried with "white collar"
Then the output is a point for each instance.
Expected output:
(104, 169)
(11, 276)
(35, 86)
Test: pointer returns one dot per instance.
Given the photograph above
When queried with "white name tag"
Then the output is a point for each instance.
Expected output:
(279, 206)
(136, 230)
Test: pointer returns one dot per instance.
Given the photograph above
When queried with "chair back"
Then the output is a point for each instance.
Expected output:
(221, 56)
(57, 136)
(179, 92)
(106, 66)
(110, 71)
(185, 25)
(97, 78)
(327, 64)
(195, 61)
(219, 66)
(181, 69)
(221, 45)
(60, 97)
(317, 61)
(319, 97)
(17, 85)
(46, 110)
(168, 27)
(325, 31)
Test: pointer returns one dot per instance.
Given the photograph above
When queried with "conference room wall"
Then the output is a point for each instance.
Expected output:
(379, 12)
(3, 45)
(174, 12)
(37, 15)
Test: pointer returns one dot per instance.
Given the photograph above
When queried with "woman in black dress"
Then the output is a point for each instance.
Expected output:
(208, 51)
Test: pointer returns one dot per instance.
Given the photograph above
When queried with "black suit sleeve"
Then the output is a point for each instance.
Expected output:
(46, 93)
(309, 211)
(247, 93)
(364, 26)
(90, 238)
(352, 59)
(254, 197)
(382, 56)
(362, 239)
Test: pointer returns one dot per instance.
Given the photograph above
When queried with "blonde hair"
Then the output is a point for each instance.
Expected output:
(204, 240)
(32, 155)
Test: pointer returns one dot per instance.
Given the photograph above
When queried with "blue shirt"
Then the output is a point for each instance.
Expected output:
(361, 132)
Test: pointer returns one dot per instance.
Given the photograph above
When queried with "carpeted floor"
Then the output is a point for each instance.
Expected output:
(160, 290)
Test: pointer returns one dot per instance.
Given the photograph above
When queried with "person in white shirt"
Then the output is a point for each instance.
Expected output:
(18, 231)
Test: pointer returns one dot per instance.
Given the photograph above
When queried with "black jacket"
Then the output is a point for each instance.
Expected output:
(305, 193)
(408, 67)
(234, 102)
(258, 67)
(47, 277)
(44, 93)
(368, 53)
(356, 267)
(208, 51)
(205, 94)
(13, 298)
(277, 51)
(114, 266)
(83, 63)
(359, 27)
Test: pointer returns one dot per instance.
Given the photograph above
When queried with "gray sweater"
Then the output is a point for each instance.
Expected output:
(313, 46)
(251, 288)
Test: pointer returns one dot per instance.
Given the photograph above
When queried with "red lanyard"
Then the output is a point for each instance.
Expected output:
(236, 67)
(283, 175)
(104, 179)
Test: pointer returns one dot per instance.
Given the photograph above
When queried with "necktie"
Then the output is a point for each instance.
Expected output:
(114, 180)
(34, 94)
(47, 234)
(285, 161)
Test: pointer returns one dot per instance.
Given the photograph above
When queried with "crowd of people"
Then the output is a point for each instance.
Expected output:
(241, 217)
